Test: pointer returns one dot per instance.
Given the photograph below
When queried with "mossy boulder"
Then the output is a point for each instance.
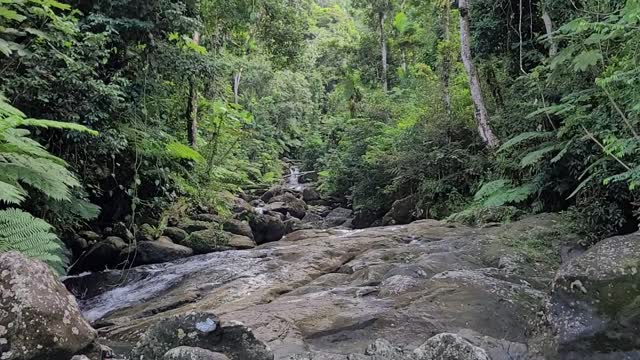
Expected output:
(595, 304)
(207, 241)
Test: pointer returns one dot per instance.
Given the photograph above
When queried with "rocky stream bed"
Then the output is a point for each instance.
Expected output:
(420, 291)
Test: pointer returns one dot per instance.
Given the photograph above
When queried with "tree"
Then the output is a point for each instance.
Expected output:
(481, 114)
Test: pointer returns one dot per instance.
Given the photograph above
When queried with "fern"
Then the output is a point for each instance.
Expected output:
(536, 156)
(502, 192)
(23, 161)
(19, 231)
(524, 137)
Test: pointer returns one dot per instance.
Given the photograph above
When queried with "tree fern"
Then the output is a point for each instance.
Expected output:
(22, 232)
(23, 161)
(502, 192)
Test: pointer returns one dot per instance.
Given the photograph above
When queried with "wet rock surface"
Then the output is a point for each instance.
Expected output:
(595, 306)
(328, 294)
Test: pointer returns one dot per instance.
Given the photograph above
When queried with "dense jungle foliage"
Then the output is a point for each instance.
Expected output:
(481, 110)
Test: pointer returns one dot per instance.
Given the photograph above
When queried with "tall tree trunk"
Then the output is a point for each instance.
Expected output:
(481, 115)
(192, 105)
(236, 86)
(383, 50)
(446, 59)
(548, 24)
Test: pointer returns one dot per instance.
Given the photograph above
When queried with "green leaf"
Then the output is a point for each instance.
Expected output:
(586, 59)
(181, 151)
(525, 137)
(535, 156)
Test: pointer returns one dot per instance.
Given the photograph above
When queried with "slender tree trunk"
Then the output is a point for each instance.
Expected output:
(481, 114)
(548, 24)
(383, 50)
(192, 105)
(446, 59)
(404, 61)
(236, 86)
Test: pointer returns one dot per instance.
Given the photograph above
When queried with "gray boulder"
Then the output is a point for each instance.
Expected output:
(338, 216)
(402, 211)
(241, 242)
(176, 234)
(103, 255)
(287, 203)
(204, 331)
(267, 228)
(595, 305)
(39, 318)
(238, 227)
(447, 346)
(159, 251)
(191, 353)
(310, 194)
(122, 231)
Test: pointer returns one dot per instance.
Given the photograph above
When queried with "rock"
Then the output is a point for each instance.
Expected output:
(313, 220)
(80, 357)
(146, 232)
(449, 347)
(103, 255)
(238, 227)
(191, 226)
(402, 211)
(241, 206)
(338, 216)
(207, 218)
(274, 191)
(364, 219)
(90, 236)
(192, 353)
(595, 305)
(201, 330)
(383, 349)
(267, 228)
(159, 251)
(122, 231)
(241, 242)
(206, 241)
(78, 244)
(288, 204)
(295, 224)
(176, 234)
(39, 318)
(310, 194)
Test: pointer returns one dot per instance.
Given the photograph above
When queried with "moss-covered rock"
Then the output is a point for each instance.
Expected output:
(206, 241)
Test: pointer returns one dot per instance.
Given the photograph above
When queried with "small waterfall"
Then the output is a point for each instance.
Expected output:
(293, 181)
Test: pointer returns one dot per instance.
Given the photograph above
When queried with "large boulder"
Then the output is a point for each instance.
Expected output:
(238, 227)
(191, 353)
(177, 235)
(204, 331)
(449, 347)
(338, 216)
(241, 242)
(595, 304)
(159, 251)
(288, 203)
(207, 241)
(364, 219)
(402, 211)
(267, 228)
(39, 319)
(103, 255)
(310, 194)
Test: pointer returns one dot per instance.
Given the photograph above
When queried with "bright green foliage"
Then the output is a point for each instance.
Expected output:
(20, 231)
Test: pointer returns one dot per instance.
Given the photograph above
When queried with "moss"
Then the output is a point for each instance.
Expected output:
(206, 241)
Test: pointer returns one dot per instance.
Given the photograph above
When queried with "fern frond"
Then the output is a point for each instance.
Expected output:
(512, 196)
(50, 124)
(536, 156)
(11, 194)
(22, 232)
(181, 151)
(490, 188)
(525, 137)
(53, 179)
